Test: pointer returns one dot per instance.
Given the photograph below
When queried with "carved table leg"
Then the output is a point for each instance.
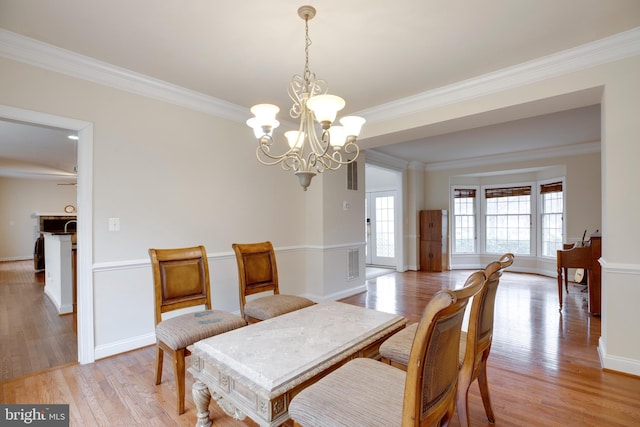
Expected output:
(202, 398)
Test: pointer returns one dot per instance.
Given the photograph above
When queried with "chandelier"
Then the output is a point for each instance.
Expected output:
(312, 148)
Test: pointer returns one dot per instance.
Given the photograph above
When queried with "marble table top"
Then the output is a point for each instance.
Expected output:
(277, 351)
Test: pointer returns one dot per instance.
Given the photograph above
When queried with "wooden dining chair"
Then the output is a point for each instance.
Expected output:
(366, 392)
(181, 280)
(475, 343)
(258, 273)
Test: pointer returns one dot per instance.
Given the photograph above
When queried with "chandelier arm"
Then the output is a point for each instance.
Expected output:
(317, 86)
(296, 94)
(321, 145)
(264, 151)
(336, 159)
(287, 163)
(349, 148)
(324, 163)
(309, 163)
(293, 163)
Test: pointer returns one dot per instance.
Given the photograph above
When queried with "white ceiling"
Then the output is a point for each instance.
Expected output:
(29, 151)
(371, 53)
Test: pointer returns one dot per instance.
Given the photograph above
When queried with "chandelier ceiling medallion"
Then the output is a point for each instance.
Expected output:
(308, 153)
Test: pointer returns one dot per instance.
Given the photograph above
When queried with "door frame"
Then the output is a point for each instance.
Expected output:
(372, 259)
(398, 173)
(85, 324)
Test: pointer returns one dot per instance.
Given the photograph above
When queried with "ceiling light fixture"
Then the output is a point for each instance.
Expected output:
(308, 154)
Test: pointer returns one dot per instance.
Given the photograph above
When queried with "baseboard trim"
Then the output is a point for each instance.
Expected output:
(134, 343)
(615, 363)
(16, 258)
(338, 295)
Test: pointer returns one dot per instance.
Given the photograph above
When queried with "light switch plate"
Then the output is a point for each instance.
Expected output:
(114, 224)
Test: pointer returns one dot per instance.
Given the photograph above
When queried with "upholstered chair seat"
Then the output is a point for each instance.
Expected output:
(274, 305)
(182, 331)
(379, 399)
(396, 349)
(366, 392)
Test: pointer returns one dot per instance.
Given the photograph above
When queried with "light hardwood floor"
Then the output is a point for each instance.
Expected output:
(33, 337)
(543, 368)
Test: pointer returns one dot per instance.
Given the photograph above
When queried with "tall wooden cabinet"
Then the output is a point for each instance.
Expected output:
(433, 240)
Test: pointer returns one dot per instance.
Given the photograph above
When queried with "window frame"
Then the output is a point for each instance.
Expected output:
(540, 183)
(532, 214)
(481, 209)
(476, 211)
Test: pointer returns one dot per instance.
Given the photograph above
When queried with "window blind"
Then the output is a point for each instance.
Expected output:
(459, 193)
(508, 192)
(553, 187)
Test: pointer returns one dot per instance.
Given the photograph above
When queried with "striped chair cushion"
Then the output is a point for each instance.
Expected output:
(181, 331)
(275, 305)
(363, 392)
(398, 347)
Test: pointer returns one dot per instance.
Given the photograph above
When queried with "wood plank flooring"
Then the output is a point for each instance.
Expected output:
(33, 337)
(543, 368)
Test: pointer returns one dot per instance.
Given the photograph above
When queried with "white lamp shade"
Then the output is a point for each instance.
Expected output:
(258, 126)
(338, 136)
(352, 125)
(265, 111)
(325, 107)
(295, 139)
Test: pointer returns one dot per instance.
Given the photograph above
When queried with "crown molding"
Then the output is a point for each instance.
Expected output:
(416, 165)
(33, 52)
(609, 49)
(545, 153)
(377, 158)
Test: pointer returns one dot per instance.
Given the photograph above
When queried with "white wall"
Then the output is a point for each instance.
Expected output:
(177, 177)
(19, 199)
(620, 344)
(583, 203)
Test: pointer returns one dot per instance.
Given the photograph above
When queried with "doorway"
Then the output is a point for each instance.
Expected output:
(380, 215)
(383, 217)
(84, 297)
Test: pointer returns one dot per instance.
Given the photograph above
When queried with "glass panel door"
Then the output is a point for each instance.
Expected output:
(380, 227)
